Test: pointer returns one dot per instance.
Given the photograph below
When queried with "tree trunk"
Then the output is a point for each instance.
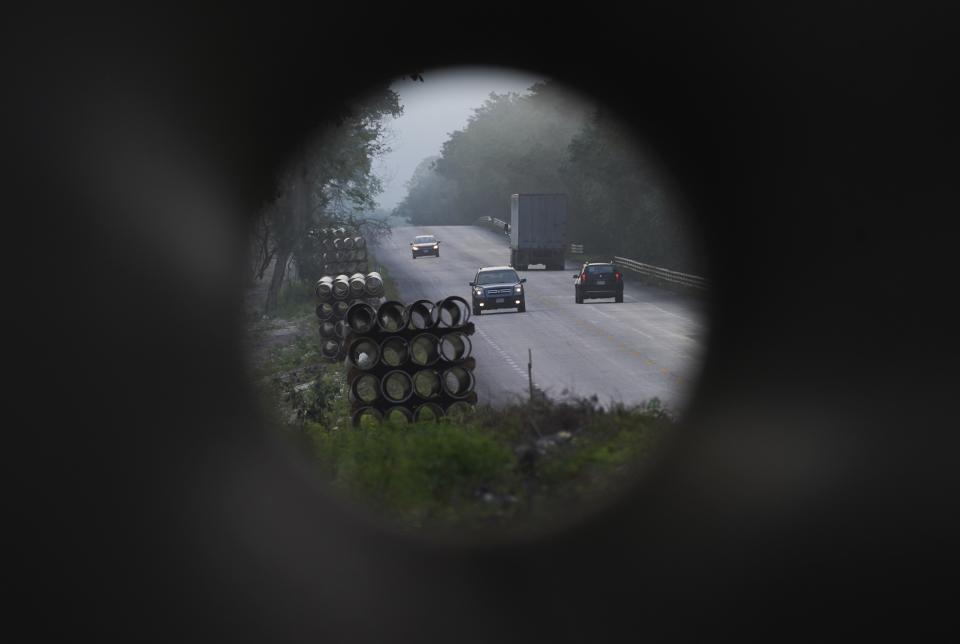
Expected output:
(299, 216)
(276, 282)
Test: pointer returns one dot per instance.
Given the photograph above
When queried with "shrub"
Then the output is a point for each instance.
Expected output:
(296, 300)
(420, 473)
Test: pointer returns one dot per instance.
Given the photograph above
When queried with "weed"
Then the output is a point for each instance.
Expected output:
(493, 468)
(296, 300)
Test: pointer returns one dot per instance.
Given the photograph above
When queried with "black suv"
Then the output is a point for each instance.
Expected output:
(425, 245)
(600, 279)
(498, 287)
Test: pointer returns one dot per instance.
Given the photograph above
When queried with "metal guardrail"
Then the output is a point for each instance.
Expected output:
(664, 274)
(493, 221)
(655, 272)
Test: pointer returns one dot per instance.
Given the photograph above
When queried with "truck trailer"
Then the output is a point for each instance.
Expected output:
(538, 230)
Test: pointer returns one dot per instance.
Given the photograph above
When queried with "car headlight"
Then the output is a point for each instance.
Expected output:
(436, 248)
(518, 289)
(479, 292)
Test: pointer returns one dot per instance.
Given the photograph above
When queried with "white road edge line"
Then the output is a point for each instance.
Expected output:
(505, 355)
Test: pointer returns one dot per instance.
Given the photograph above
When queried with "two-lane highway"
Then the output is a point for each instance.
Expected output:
(648, 346)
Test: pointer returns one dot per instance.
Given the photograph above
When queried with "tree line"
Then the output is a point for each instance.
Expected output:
(330, 184)
(549, 140)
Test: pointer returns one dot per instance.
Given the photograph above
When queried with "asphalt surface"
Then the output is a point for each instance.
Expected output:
(650, 345)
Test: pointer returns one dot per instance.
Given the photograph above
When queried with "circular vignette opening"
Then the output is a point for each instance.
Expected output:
(578, 403)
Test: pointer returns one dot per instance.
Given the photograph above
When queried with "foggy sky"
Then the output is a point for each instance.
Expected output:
(432, 109)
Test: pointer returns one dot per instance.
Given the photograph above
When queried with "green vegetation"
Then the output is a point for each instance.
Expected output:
(331, 184)
(508, 468)
(297, 300)
(497, 469)
(417, 474)
(550, 141)
(304, 352)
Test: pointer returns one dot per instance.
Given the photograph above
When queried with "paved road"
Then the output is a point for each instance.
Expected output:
(649, 345)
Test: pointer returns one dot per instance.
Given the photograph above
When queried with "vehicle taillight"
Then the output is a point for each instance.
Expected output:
(617, 275)
(583, 278)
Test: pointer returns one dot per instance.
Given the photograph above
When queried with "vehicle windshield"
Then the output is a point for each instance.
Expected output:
(497, 277)
(599, 270)
(424, 239)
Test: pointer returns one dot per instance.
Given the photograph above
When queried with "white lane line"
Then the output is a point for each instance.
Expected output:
(625, 323)
(649, 323)
(689, 321)
(506, 357)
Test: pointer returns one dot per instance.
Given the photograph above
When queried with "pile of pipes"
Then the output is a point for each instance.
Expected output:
(336, 295)
(409, 363)
(342, 251)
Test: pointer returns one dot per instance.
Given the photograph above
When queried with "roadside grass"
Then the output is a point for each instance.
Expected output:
(519, 467)
(296, 300)
(303, 352)
(297, 380)
(418, 475)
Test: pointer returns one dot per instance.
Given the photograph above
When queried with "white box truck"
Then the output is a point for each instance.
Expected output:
(538, 230)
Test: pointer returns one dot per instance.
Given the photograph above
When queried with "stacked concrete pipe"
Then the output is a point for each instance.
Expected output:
(346, 282)
(410, 362)
(343, 250)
